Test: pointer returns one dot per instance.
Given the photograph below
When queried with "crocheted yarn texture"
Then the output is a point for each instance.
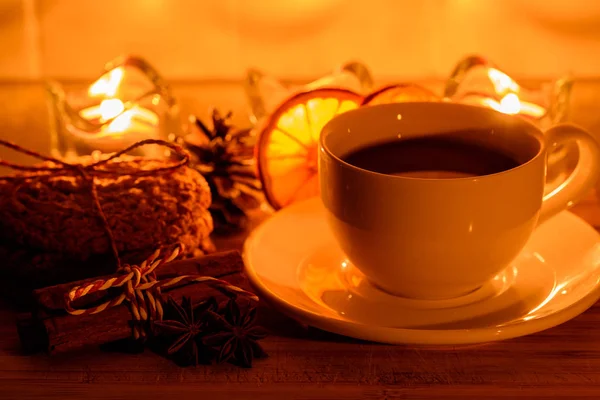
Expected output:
(55, 219)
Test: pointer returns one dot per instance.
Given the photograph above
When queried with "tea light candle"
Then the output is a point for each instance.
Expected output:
(127, 127)
(128, 103)
(484, 84)
(510, 103)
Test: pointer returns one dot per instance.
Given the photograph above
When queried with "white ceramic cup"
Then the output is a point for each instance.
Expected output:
(442, 238)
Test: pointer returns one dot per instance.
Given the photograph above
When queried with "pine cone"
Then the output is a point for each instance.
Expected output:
(225, 157)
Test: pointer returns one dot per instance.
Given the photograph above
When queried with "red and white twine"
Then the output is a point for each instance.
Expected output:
(142, 290)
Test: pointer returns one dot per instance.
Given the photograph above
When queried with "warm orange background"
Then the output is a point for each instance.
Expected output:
(219, 39)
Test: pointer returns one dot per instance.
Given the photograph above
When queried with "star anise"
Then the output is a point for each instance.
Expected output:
(237, 340)
(186, 322)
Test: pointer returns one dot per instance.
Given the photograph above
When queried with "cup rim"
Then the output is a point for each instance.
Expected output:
(538, 135)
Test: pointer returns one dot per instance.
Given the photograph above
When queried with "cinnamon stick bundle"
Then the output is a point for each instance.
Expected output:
(50, 328)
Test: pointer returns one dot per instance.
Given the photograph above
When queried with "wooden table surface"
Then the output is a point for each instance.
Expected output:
(305, 363)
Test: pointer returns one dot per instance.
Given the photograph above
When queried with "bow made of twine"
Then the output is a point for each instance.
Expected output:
(142, 291)
(88, 172)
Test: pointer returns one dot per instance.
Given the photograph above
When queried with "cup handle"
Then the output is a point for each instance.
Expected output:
(584, 176)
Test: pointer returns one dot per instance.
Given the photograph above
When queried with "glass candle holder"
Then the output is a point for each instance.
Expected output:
(129, 102)
(265, 93)
(476, 80)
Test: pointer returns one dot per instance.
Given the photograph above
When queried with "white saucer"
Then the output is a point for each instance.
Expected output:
(296, 265)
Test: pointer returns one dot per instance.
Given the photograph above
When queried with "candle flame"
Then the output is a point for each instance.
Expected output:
(108, 84)
(110, 108)
(121, 123)
(134, 117)
(510, 104)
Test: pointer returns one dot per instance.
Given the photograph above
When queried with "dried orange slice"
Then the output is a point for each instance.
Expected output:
(287, 148)
(400, 93)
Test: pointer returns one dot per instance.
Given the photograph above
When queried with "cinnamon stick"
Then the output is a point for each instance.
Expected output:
(218, 265)
(49, 328)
